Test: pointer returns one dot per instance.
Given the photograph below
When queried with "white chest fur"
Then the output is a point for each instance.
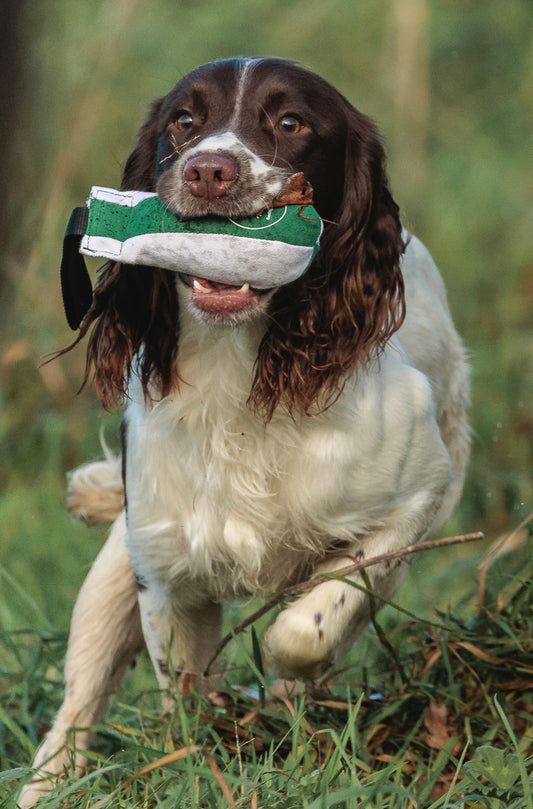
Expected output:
(217, 495)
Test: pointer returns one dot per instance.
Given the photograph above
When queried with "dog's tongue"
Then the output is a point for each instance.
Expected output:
(217, 298)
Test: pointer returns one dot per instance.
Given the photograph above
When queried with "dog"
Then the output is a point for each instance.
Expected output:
(270, 435)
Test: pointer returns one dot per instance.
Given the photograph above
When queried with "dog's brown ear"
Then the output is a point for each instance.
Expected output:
(133, 318)
(139, 175)
(343, 311)
(141, 166)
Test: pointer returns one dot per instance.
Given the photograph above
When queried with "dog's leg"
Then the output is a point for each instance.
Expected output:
(312, 633)
(105, 636)
(180, 640)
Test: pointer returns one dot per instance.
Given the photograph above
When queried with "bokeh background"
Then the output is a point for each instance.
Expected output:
(450, 82)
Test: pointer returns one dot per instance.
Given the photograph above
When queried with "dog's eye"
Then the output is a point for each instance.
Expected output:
(184, 121)
(289, 124)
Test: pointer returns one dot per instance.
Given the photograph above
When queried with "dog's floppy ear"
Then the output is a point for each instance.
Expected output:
(341, 314)
(369, 235)
(134, 311)
(141, 166)
(139, 175)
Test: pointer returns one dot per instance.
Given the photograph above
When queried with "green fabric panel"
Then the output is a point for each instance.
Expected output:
(151, 216)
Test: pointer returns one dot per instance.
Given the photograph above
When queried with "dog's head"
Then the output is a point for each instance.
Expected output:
(229, 134)
(224, 142)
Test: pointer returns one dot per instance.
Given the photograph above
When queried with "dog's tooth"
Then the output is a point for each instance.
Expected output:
(245, 287)
(199, 288)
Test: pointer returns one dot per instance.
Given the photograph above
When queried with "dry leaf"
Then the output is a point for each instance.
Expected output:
(436, 722)
(297, 192)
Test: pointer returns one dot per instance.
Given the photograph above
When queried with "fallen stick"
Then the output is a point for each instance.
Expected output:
(305, 586)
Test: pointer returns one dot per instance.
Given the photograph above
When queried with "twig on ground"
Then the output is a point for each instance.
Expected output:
(305, 586)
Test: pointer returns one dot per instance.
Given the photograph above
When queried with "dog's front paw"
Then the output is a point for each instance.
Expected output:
(297, 645)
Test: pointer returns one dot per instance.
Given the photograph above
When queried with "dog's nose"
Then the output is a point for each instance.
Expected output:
(210, 175)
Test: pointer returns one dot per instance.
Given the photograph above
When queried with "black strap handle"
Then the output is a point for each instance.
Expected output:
(75, 281)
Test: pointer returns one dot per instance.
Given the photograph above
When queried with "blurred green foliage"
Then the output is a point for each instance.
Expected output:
(450, 83)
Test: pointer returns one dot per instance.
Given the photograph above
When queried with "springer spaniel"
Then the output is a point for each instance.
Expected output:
(269, 435)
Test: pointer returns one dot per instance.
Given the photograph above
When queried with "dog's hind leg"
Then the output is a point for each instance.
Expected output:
(95, 492)
(104, 638)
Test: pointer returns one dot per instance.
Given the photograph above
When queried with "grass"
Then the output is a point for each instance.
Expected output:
(438, 715)
(429, 713)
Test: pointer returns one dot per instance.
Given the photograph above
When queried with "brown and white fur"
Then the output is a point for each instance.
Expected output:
(268, 436)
